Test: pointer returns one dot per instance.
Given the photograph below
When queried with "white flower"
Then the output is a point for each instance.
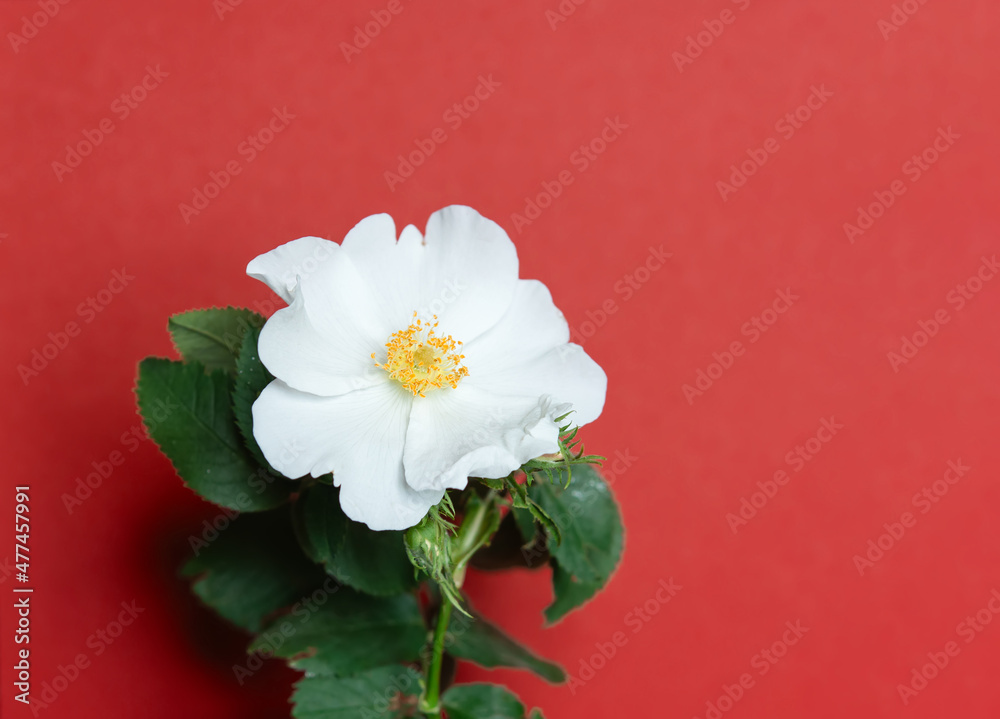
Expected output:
(405, 367)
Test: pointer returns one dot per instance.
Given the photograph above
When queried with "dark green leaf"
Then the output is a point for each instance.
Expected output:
(253, 568)
(482, 701)
(347, 633)
(382, 693)
(478, 641)
(570, 593)
(373, 562)
(592, 535)
(250, 380)
(189, 415)
(212, 337)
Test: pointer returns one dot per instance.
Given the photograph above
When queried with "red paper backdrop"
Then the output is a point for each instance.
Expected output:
(692, 90)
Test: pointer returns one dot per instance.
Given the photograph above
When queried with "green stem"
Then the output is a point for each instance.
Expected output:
(469, 540)
(430, 704)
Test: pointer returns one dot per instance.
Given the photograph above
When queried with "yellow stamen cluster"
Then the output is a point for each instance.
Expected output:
(420, 360)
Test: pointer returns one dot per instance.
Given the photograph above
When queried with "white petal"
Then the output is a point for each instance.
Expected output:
(358, 436)
(281, 268)
(528, 353)
(470, 271)
(566, 373)
(322, 343)
(531, 326)
(464, 270)
(390, 269)
(455, 434)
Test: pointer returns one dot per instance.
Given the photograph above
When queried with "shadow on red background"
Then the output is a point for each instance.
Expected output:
(585, 222)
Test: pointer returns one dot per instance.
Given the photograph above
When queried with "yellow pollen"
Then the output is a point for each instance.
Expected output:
(420, 360)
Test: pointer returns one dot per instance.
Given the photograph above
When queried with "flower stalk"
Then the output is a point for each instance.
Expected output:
(479, 524)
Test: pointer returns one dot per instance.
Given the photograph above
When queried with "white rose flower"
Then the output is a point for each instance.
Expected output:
(405, 367)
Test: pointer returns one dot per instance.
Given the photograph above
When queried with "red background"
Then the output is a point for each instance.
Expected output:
(62, 237)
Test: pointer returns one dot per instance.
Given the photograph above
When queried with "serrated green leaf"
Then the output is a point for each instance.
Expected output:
(188, 414)
(253, 568)
(382, 693)
(373, 562)
(482, 701)
(212, 337)
(348, 634)
(591, 541)
(478, 641)
(250, 380)
(589, 521)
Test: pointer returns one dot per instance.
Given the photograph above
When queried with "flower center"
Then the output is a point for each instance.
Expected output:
(420, 360)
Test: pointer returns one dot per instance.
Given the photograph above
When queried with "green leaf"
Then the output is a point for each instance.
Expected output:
(347, 633)
(252, 569)
(188, 414)
(382, 693)
(570, 593)
(591, 535)
(373, 562)
(212, 337)
(482, 701)
(478, 641)
(250, 380)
